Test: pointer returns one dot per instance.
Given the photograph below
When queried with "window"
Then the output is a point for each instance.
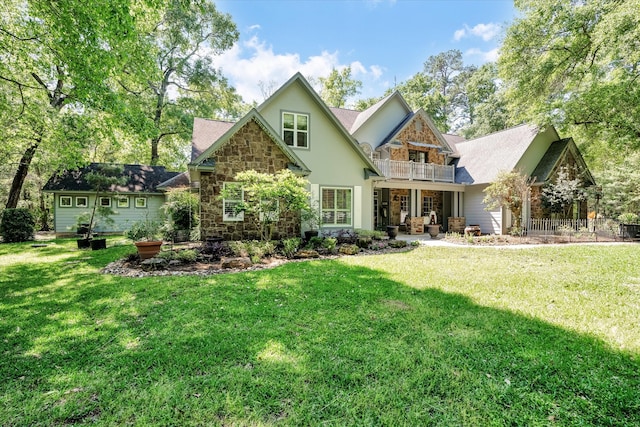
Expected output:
(105, 202)
(336, 206)
(404, 203)
(122, 201)
(295, 129)
(141, 202)
(82, 202)
(417, 156)
(427, 205)
(229, 204)
(65, 202)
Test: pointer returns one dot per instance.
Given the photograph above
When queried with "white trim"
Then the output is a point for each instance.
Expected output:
(142, 205)
(229, 204)
(357, 206)
(86, 202)
(295, 130)
(66, 205)
(335, 212)
(120, 199)
(105, 198)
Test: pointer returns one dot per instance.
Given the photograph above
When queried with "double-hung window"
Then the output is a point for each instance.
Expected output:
(427, 205)
(295, 129)
(337, 206)
(235, 196)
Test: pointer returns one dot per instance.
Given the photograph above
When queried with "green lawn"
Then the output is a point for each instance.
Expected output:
(436, 336)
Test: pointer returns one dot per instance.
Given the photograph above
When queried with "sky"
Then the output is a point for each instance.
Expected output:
(384, 41)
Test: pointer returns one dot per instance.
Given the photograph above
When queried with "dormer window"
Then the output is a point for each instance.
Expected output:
(295, 129)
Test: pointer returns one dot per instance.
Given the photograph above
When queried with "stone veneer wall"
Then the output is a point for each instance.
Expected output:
(250, 148)
(418, 131)
(438, 201)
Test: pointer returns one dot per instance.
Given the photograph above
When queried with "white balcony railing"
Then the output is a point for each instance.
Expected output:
(416, 171)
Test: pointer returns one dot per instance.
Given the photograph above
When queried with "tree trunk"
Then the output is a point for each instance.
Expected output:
(21, 175)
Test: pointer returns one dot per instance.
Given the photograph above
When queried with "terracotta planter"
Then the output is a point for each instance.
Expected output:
(433, 230)
(148, 250)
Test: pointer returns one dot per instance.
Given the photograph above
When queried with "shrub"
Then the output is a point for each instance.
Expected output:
(397, 244)
(290, 246)
(378, 245)
(216, 250)
(315, 242)
(17, 225)
(330, 243)
(349, 249)
(628, 218)
(238, 248)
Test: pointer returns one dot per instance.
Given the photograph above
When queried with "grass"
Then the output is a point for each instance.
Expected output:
(436, 336)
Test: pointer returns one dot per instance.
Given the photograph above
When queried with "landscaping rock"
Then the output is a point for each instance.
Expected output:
(153, 264)
(306, 253)
(239, 262)
(349, 249)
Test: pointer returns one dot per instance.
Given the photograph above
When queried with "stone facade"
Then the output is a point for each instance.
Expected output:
(396, 197)
(418, 131)
(538, 210)
(250, 148)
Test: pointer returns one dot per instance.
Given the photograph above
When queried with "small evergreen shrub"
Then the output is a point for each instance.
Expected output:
(17, 225)
(330, 243)
(290, 246)
(397, 244)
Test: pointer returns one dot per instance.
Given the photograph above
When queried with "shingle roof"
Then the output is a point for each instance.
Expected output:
(205, 133)
(140, 179)
(346, 117)
(482, 158)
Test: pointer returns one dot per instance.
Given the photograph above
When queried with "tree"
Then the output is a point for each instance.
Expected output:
(487, 109)
(338, 87)
(509, 191)
(559, 196)
(179, 81)
(576, 64)
(101, 180)
(58, 58)
(420, 91)
(268, 197)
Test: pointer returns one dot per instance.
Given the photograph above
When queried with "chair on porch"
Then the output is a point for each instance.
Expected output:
(405, 221)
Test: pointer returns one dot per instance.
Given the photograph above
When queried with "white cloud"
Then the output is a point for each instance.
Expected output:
(486, 32)
(483, 56)
(252, 66)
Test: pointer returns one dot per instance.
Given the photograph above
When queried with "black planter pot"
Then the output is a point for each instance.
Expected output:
(392, 231)
(97, 244)
(310, 233)
(83, 243)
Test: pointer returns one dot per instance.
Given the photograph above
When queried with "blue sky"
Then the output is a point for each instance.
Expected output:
(384, 41)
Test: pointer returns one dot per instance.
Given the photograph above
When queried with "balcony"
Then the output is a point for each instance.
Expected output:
(416, 171)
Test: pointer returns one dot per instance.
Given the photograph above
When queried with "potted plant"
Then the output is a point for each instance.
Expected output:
(101, 180)
(146, 236)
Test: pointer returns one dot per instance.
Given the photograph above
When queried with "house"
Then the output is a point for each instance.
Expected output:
(387, 165)
(140, 197)
(538, 153)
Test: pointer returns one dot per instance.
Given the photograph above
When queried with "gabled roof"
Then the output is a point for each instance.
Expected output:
(178, 181)
(299, 78)
(553, 158)
(140, 179)
(481, 159)
(207, 129)
(432, 126)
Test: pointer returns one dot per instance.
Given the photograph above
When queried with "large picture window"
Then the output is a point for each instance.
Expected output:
(230, 203)
(295, 129)
(337, 206)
